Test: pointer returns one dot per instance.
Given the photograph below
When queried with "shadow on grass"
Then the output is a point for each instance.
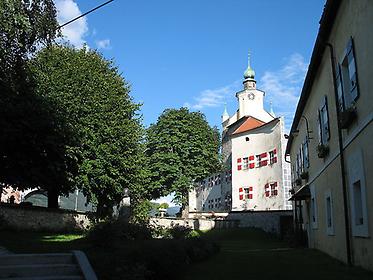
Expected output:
(40, 242)
(244, 254)
(117, 258)
(253, 254)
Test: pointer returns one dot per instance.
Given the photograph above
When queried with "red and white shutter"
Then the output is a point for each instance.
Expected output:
(263, 159)
(274, 189)
(240, 192)
(239, 164)
(250, 192)
(251, 162)
(266, 189)
(274, 156)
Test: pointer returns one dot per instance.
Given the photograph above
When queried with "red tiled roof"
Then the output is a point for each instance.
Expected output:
(249, 124)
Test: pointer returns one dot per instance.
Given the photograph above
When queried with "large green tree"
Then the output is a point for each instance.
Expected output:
(30, 156)
(92, 100)
(181, 148)
(24, 26)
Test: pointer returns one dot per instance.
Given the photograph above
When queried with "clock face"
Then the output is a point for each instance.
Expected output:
(251, 96)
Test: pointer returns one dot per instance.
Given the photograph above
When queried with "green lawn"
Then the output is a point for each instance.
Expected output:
(244, 254)
(40, 242)
(249, 254)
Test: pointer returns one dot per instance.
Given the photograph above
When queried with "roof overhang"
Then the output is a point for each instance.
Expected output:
(303, 193)
(258, 127)
(326, 24)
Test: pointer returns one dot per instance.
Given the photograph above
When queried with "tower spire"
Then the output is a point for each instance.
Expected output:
(248, 59)
(271, 110)
(225, 115)
(249, 73)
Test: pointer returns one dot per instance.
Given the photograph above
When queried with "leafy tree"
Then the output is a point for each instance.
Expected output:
(30, 155)
(93, 102)
(164, 205)
(181, 148)
(24, 26)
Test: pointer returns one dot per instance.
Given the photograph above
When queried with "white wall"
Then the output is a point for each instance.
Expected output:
(261, 140)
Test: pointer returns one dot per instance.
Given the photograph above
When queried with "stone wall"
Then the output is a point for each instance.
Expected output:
(42, 219)
(197, 224)
(277, 221)
(269, 221)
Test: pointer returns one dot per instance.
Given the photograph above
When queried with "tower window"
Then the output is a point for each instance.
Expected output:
(245, 164)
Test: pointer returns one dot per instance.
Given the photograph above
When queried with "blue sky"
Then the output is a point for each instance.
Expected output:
(193, 53)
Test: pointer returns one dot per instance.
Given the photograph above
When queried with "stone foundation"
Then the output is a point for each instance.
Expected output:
(42, 219)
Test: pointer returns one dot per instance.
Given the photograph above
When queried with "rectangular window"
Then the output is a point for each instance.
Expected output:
(248, 193)
(357, 188)
(258, 160)
(313, 209)
(272, 156)
(297, 168)
(274, 190)
(261, 160)
(245, 164)
(271, 189)
(329, 213)
(347, 83)
(323, 122)
(359, 218)
(306, 160)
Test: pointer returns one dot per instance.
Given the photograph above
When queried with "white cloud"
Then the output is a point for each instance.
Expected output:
(213, 97)
(76, 31)
(103, 44)
(283, 86)
(167, 199)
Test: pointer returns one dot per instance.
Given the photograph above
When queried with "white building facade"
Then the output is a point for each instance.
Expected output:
(256, 176)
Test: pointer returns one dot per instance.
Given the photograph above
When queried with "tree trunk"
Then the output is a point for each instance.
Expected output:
(52, 199)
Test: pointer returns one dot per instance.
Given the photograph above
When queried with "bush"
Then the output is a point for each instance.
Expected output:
(137, 251)
(180, 232)
(150, 259)
(115, 230)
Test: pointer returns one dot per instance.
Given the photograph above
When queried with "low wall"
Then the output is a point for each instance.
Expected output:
(42, 219)
(275, 221)
(198, 224)
(270, 221)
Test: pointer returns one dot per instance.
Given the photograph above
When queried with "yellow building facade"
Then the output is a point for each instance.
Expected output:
(331, 139)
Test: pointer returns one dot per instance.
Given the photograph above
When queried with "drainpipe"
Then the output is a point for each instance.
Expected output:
(342, 160)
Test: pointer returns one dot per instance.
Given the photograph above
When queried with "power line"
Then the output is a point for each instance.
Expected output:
(86, 13)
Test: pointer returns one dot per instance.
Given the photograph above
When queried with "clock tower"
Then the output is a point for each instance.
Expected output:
(250, 99)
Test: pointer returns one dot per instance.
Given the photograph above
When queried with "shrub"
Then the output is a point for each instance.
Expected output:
(180, 232)
(108, 231)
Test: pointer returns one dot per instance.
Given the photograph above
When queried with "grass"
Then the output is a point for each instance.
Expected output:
(41, 242)
(112, 258)
(244, 254)
(250, 254)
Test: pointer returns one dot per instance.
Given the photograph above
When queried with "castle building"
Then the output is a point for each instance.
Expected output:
(256, 176)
